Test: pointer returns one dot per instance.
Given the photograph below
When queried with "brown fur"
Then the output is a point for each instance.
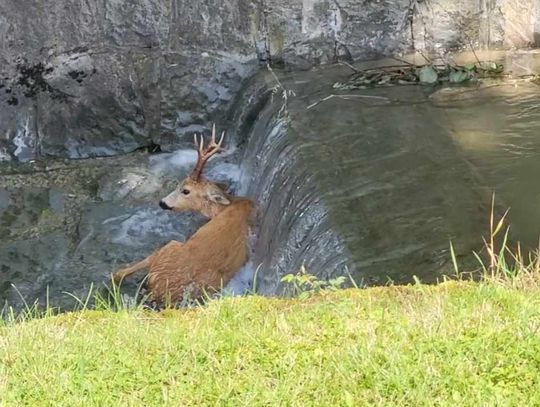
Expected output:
(205, 263)
(213, 254)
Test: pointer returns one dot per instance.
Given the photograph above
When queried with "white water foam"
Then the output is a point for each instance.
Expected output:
(242, 282)
(168, 162)
(183, 159)
(134, 230)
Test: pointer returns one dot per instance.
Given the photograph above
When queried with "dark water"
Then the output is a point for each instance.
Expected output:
(399, 172)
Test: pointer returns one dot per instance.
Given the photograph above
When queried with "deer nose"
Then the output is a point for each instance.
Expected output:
(163, 205)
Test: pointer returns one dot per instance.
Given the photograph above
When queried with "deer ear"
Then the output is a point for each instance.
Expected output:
(218, 196)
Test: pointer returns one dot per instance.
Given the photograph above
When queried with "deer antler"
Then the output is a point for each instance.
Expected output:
(203, 153)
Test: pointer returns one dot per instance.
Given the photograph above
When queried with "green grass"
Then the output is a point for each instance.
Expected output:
(455, 344)
(458, 343)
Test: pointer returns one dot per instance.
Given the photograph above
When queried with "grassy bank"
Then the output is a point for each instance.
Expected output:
(459, 343)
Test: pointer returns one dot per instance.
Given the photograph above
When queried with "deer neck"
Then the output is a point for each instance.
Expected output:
(214, 209)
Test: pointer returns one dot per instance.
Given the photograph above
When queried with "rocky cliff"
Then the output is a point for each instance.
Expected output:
(81, 78)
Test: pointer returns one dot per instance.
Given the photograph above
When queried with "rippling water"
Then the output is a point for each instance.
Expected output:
(395, 174)
(498, 131)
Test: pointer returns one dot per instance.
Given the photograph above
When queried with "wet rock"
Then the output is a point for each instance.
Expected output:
(102, 109)
(24, 211)
(195, 88)
(28, 267)
(109, 236)
(65, 226)
(427, 75)
(131, 184)
(17, 128)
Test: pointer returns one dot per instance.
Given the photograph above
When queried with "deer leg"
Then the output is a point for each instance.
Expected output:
(123, 273)
(127, 271)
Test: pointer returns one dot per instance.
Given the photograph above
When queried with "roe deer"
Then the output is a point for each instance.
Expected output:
(212, 255)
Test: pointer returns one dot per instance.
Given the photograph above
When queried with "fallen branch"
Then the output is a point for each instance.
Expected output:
(346, 97)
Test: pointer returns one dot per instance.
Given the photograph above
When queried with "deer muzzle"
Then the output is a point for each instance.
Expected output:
(163, 205)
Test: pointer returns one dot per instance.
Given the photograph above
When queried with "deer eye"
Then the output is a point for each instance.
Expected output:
(186, 191)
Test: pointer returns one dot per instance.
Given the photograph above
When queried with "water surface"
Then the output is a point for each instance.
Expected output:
(402, 171)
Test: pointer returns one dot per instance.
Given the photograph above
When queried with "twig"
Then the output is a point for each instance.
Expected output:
(472, 47)
(349, 66)
(404, 61)
(285, 93)
(529, 71)
(445, 61)
(376, 69)
(429, 61)
(397, 67)
(274, 75)
(382, 98)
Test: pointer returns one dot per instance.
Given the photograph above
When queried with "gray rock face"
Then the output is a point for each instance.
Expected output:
(87, 78)
(82, 79)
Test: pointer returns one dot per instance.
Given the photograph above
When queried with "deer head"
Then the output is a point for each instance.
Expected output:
(195, 193)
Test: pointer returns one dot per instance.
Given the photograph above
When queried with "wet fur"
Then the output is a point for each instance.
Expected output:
(207, 261)
(213, 255)
(203, 264)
